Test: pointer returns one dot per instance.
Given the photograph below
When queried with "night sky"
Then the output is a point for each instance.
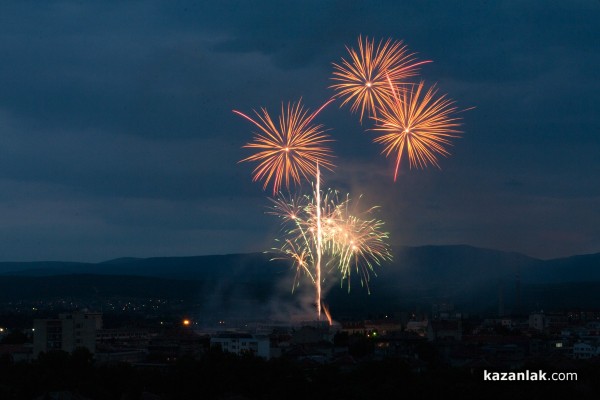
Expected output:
(117, 136)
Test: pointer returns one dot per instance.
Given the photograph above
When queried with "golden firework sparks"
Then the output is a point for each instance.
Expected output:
(362, 81)
(351, 239)
(358, 241)
(289, 150)
(417, 123)
(320, 227)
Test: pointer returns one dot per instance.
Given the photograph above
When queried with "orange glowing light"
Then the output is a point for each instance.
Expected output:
(327, 314)
(290, 149)
(361, 80)
(186, 322)
(418, 124)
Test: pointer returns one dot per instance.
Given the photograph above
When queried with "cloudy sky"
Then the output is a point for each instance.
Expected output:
(117, 136)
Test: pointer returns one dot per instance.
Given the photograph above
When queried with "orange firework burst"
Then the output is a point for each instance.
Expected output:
(362, 80)
(292, 149)
(420, 125)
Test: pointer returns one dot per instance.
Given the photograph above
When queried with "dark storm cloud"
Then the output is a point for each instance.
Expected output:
(117, 136)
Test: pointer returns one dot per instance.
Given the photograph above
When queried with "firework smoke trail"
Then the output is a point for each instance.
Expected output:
(419, 124)
(361, 81)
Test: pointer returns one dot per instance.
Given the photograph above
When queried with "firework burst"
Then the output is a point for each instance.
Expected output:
(352, 240)
(297, 246)
(321, 229)
(362, 80)
(417, 123)
(358, 242)
(290, 149)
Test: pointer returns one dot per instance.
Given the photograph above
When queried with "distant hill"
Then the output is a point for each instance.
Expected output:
(250, 266)
(471, 278)
(87, 285)
(43, 268)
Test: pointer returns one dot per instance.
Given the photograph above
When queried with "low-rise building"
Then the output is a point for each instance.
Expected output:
(585, 351)
(17, 352)
(537, 321)
(437, 330)
(418, 327)
(242, 343)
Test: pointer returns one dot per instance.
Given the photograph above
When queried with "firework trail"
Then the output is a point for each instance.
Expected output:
(417, 123)
(327, 314)
(290, 150)
(319, 240)
(362, 80)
